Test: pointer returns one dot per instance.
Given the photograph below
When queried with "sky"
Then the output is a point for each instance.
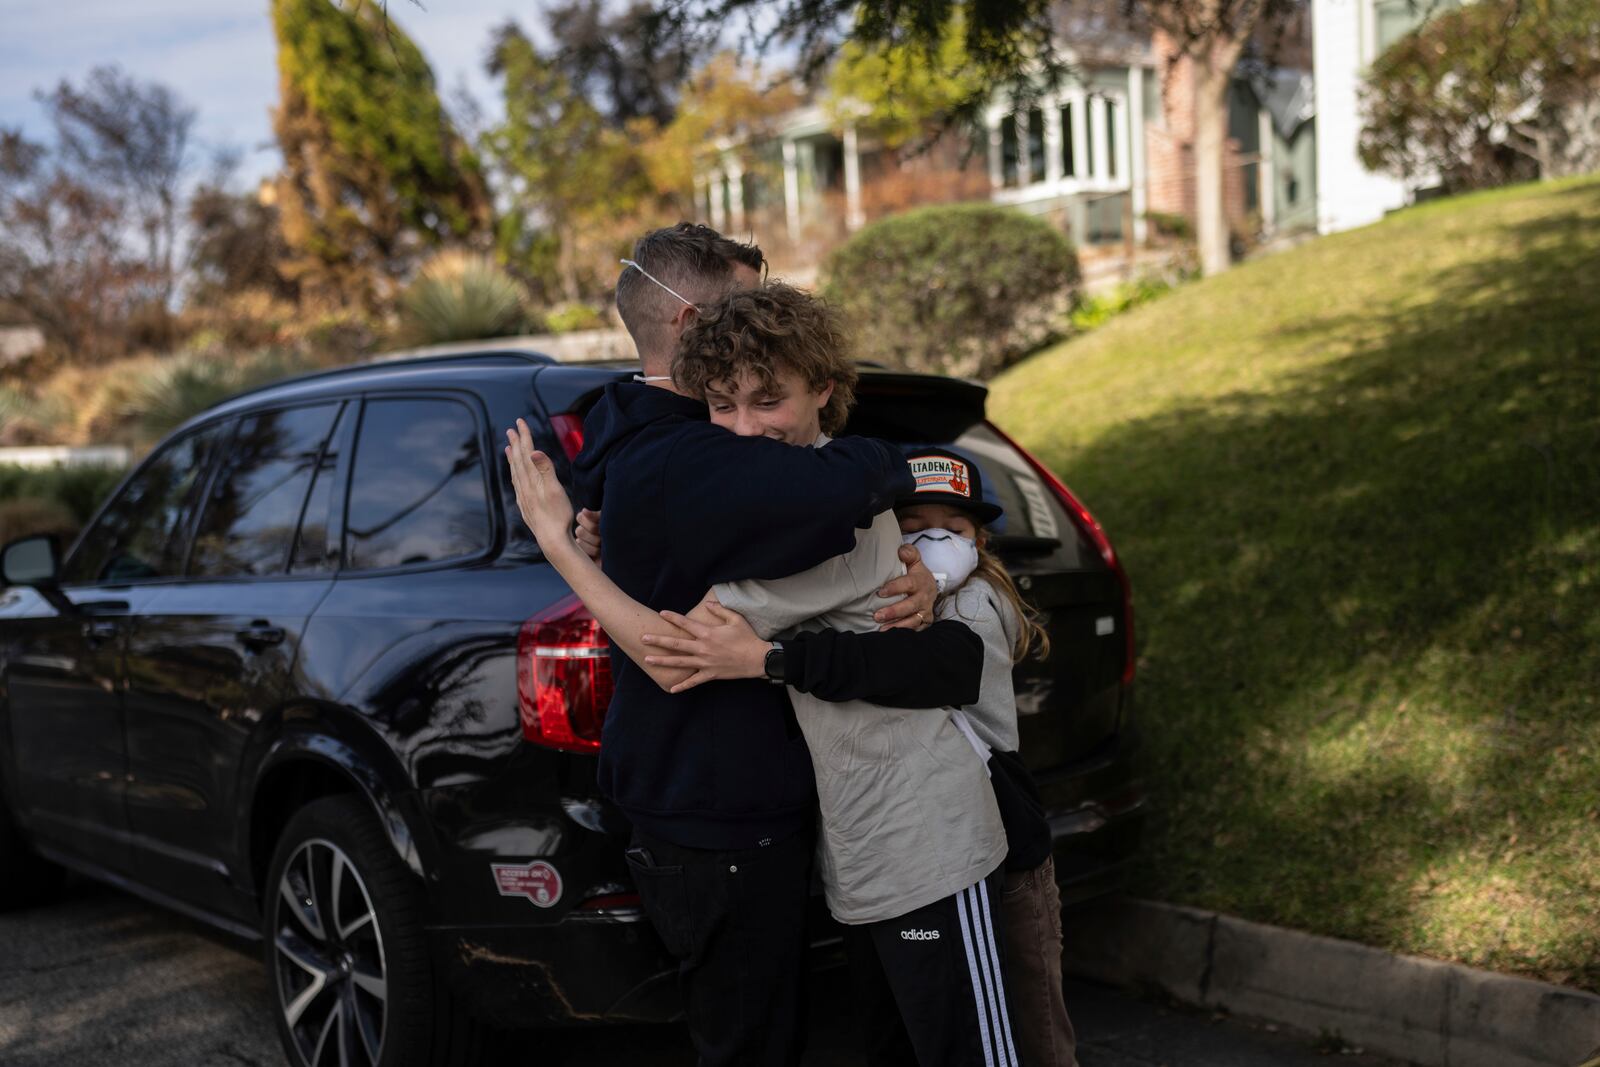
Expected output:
(218, 56)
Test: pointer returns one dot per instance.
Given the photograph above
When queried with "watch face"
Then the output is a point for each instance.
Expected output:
(774, 663)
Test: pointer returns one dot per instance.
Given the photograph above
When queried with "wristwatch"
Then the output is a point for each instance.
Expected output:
(774, 663)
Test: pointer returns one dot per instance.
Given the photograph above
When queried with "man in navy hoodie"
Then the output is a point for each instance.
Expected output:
(716, 781)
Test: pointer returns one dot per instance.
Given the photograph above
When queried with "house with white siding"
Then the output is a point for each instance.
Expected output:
(1349, 35)
(1101, 156)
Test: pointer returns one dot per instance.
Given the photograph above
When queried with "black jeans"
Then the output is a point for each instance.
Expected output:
(735, 922)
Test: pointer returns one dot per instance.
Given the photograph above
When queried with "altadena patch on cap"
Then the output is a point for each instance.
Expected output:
(941, 474)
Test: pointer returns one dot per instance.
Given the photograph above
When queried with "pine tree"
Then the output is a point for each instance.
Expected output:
(375, 175)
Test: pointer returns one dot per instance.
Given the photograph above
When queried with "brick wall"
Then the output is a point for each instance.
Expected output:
(1169, 142)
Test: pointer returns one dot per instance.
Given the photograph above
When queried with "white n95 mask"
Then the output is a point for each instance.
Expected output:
(951, 557)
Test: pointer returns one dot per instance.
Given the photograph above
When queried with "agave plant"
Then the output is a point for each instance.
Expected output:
(462, 297)
(178, 388)
(27, 419)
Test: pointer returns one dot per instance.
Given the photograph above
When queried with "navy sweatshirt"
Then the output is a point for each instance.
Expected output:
(684, 505)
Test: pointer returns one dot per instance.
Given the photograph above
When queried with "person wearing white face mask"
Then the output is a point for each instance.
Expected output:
(947, 519)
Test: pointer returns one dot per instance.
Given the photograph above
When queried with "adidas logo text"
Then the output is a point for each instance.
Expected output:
(919, 935)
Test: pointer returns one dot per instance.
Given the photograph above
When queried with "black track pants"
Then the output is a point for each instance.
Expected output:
(928, 986)
(736, 923)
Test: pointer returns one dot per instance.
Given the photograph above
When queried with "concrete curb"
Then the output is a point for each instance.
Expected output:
(1423, 1011)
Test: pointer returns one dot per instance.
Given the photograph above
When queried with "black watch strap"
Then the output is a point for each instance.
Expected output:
(775, 663)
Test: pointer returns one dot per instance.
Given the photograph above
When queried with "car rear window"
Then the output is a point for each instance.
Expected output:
(1035, 524)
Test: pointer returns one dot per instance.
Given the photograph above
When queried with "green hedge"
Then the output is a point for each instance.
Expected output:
(78, 489)
(962, 289)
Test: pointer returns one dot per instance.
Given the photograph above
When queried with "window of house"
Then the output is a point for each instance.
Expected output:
(257, 497)
(1010, 153)
(1154, 113)
(1068, 164)
(1393, 19)
(1036, 160)
(1105, 218)
(417, 490)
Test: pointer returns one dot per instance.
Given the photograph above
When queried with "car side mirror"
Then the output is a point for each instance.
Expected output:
(30, 561)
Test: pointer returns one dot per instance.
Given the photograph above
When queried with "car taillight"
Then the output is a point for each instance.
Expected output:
(1089, 526)
(569, 431)
(563, 677)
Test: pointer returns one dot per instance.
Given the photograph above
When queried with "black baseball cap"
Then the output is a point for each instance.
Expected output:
(947, 477)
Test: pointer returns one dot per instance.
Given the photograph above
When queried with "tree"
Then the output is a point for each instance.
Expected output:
(91, 225)
(375, 174)
(564, 163)
(625, 63)
(236, 244)
(133, 138)
(904, 90)
(1493, 92)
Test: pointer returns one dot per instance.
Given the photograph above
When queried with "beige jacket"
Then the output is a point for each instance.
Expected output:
(908, 816)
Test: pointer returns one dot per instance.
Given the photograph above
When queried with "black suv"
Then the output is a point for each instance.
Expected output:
(305, 676)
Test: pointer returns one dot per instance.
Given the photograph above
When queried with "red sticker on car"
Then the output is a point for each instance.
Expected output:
(538, 881)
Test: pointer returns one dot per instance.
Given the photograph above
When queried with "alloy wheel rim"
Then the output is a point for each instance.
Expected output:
(332, 981)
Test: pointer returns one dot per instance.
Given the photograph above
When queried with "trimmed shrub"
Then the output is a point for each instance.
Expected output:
(461, 297)
(569, 318)
(964, 289)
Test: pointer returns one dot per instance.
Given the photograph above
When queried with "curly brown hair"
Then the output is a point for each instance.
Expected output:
(766, 331)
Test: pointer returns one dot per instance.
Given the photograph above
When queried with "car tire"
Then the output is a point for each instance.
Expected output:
(26, 878)
(346, 953)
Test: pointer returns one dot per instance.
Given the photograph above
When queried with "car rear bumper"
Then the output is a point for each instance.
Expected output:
(582, 970)
(1097, 810)
(1094, 844)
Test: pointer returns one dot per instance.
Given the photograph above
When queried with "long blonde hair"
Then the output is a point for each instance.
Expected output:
(1031, 636)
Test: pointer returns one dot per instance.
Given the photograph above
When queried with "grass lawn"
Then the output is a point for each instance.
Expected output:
(1357, 489)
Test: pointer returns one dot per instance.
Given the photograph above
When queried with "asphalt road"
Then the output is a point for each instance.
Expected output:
(101, 978)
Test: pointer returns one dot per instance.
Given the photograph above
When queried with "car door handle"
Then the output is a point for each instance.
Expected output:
(97, 632)
(259, 635)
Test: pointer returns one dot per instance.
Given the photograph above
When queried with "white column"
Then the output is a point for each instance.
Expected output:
(1267, 171)
(853, 217)
(1097, 131)
(719, 214)
(1052, 141)
(791, 190)
(736, 198)
(1080, 136)
(1136, 152)
(997, 178)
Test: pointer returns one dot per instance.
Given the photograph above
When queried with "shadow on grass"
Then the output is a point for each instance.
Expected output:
(1367, 605)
